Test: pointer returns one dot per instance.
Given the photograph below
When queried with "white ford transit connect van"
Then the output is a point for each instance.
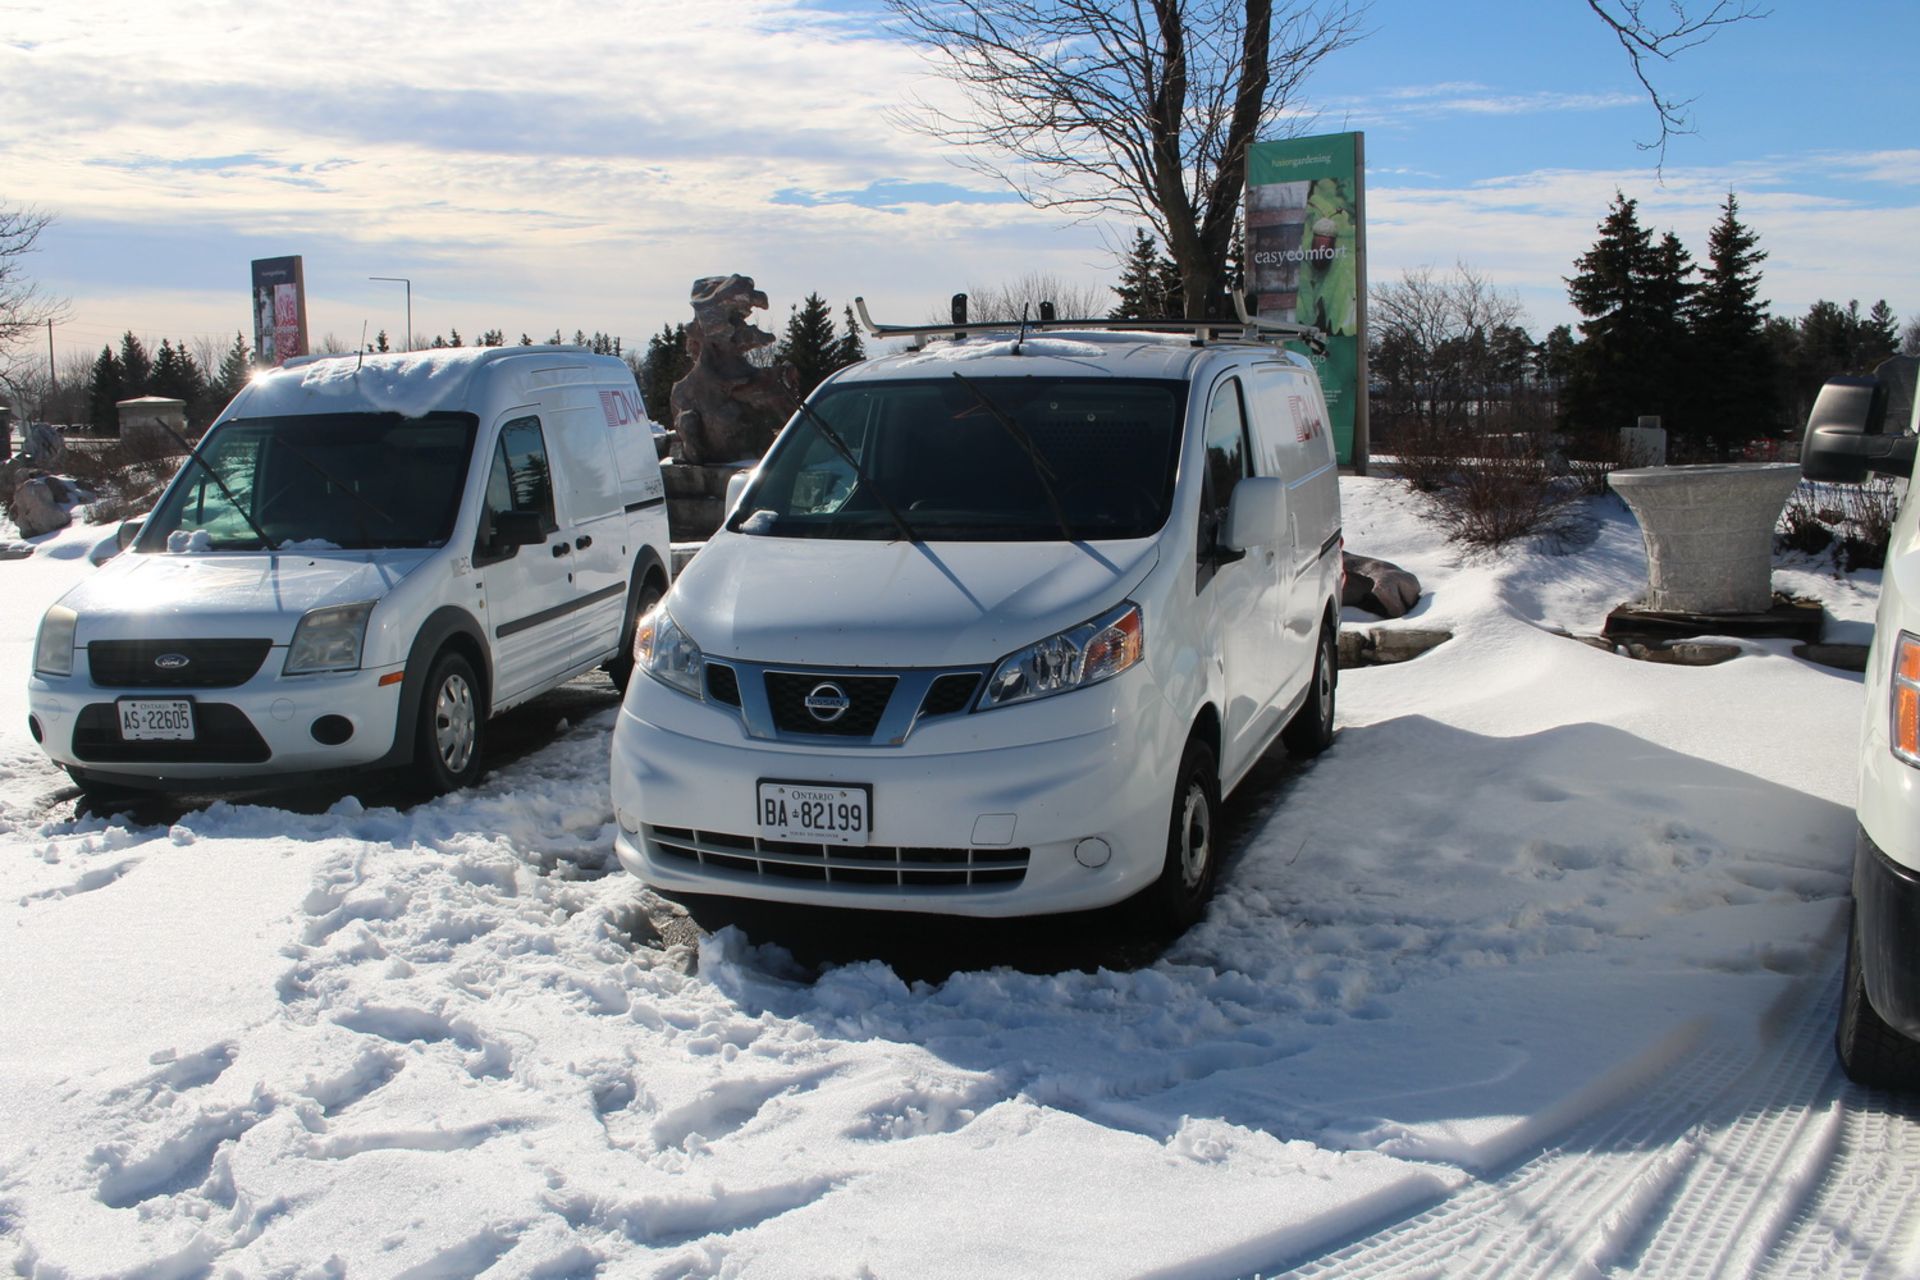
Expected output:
(1878, 1037)
(992, 629)
(364, 559)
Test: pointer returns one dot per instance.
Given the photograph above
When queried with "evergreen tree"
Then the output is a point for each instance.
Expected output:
(136, 367)
(525, 341)
(381, 343)
(1880, 335)
(1631, 295)
(665, 363)
(454, 339)
(493, 338)
(809, 344)
(1736, 393)
(105, 390)
(176, 376)
(1149, 287)
(852, 348)
(237, 366)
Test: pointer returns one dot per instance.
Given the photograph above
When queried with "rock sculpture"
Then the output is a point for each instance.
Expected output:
(1379, 587)
(726, 409)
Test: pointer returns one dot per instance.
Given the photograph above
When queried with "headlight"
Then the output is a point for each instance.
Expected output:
(53, 652)
(1075, 658)
(668, 654)
(329, 640)
(1904, 696)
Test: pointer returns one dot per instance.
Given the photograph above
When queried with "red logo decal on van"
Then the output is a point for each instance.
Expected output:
(621, 408)
(1306, 423)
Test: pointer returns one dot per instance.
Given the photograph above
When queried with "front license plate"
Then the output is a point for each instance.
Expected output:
(156, 719)
(819, 812)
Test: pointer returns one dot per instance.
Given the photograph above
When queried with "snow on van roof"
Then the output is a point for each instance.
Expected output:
(410, 383)
(1092, 351)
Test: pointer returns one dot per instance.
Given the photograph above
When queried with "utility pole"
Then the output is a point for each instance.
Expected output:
(403, 280)
(53, 374)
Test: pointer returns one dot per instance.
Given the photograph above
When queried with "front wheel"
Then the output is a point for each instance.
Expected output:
(447, 744)
(1871, 1052)
(1176, 901)
(1311, 730)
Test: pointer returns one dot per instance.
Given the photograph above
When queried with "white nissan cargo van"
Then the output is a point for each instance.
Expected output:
(362, 561)
(992, 629)
(1878, 1037)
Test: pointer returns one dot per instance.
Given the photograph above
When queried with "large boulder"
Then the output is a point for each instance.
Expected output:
(41, 505)
(42, 445)
(1379, 587)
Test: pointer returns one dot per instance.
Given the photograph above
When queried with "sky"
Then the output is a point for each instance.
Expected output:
(576, 166)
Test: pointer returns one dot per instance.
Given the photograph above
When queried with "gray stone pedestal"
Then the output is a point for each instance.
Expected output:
(152, 421)
(1709, 532)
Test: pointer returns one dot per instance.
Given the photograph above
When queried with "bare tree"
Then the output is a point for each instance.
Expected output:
(1449, 350)
(1139, 108)
(1022, 297)
(1674, 27)
(24, 308)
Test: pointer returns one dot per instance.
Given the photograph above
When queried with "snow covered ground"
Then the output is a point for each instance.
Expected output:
(1532, 974)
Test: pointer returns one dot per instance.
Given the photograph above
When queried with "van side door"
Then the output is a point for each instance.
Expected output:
(1238, 590)
(1279, 395)
(589, 485)
(529, 589)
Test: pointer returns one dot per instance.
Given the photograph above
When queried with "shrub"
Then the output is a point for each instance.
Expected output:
(1592, 456)
(1503, 491)
(1425, 456)
(126, 474)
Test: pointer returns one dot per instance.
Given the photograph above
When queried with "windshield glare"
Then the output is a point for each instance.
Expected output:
(318, 482)
(939, 451)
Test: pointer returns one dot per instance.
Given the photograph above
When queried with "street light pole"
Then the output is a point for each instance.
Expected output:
(403, 280)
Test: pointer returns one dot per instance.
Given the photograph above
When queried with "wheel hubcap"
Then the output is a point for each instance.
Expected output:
(453, 723)
(1325, 678)
(1196, 837)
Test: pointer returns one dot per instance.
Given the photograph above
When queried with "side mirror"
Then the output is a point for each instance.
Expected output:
(1254, 514)
(129, 532)
(1846, 434)
(736, 489)
(513, 529)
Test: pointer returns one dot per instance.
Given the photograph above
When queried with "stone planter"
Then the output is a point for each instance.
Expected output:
(1709, 532)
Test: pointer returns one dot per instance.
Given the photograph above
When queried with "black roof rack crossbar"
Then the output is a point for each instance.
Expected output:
(1244, 328)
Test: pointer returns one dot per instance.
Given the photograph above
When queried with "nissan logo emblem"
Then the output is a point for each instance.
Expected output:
(172, 661)
(827, 702)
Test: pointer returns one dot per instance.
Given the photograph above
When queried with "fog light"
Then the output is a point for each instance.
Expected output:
(1092, 852)
(628, 823)
(331, 731)
(33, 727)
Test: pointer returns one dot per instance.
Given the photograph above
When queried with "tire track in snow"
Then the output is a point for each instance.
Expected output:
(1730, 1161)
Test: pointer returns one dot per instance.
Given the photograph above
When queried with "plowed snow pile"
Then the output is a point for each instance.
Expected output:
(1525, 976)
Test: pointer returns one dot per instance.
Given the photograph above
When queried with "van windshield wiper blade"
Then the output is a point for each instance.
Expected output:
(1041, 471)
(839, 446)
(266, 543)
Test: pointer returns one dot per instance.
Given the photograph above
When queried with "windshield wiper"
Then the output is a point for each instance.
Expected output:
(839, 446)
(1041, 471)
(266, 543)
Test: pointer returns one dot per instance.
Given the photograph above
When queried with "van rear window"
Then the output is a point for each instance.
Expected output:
(973, 459)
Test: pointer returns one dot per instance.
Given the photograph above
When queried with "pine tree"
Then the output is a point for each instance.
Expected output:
(1737, 396)
(176, 376)
(665, 363)
(136, 367)
(1616, 375)
(852, 349)
(381, 343)
(1880, 335)
(1149, 287)
(105, 387)
(237, 366)
(809, 344)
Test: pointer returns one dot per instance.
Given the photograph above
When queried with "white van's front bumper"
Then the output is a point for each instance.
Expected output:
(264, 728)
(955, 809)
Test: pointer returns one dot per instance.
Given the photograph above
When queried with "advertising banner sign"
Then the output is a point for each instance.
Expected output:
(1307, 262)
(279, 309)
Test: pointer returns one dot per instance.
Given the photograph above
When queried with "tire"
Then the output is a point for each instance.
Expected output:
(1871, 1052)
(1311, 730)
(448, 738)
(619, 667)
(1175, 902)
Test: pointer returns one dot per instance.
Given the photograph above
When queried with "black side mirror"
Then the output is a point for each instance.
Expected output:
(1846, 434)
(514, 529)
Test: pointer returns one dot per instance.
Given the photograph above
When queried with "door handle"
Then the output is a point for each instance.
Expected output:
(561, 549)
(584, 541)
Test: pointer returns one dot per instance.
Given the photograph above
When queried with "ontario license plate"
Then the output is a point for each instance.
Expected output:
(156, 719)
(819, 812)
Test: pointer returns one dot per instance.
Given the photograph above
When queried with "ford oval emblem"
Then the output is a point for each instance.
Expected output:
(827, 702)
(172, 661)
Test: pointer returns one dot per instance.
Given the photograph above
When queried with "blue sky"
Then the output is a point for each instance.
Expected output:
(577, 165)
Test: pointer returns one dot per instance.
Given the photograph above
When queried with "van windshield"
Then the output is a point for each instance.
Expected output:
(974, 459)
(318, 482)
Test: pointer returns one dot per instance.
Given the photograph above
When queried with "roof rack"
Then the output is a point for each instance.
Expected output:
(1244, 328)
